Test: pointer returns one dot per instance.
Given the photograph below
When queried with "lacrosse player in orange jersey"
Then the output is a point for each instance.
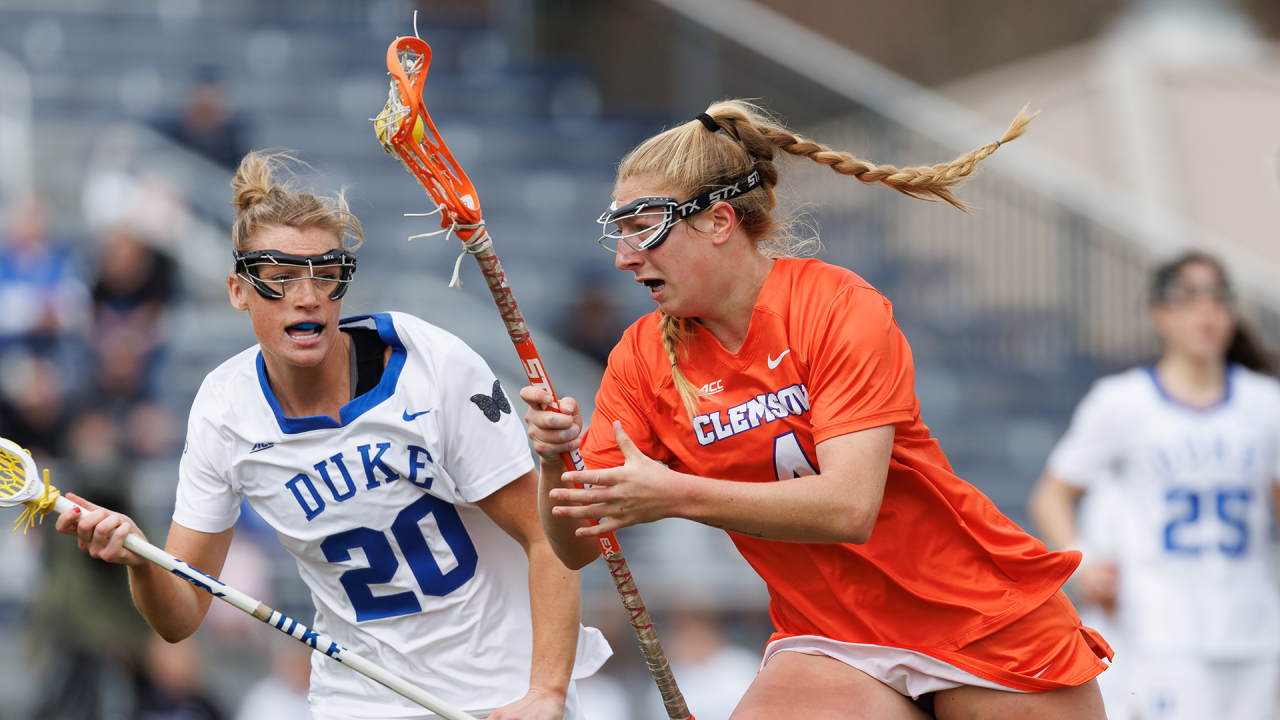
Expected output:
(773, 397)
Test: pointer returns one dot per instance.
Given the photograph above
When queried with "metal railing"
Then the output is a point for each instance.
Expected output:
(15, 128)
(1024, 280)
(1055, 262)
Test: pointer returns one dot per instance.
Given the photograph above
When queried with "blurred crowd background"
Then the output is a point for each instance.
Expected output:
(121, 121)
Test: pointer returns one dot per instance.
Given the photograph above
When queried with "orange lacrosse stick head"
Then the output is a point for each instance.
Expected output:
(406, 132)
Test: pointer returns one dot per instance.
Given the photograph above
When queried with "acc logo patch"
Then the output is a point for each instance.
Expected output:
(491, 405)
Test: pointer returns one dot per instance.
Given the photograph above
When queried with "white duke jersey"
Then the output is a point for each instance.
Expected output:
(1192, 532)
(379, 512)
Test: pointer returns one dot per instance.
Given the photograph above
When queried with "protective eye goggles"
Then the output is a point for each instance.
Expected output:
(668, 212)
(1179, 294)
(271, 271)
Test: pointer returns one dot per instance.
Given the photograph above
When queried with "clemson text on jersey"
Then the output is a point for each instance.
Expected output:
(761, 409)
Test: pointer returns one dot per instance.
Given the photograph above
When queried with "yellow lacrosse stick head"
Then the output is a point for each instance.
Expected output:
(20, 484)
(17, 468)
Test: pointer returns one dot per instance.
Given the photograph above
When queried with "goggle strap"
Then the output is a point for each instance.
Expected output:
(729, 191)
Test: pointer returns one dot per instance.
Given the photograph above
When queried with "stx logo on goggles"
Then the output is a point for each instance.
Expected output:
(727, 192)
(759, 410)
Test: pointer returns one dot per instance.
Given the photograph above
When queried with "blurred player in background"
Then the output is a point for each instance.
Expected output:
(773, 397)
(1185, 457)
(385, 455)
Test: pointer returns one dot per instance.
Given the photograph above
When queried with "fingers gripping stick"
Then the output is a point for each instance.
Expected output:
(19, 486)
(407, 134)
(618, 568)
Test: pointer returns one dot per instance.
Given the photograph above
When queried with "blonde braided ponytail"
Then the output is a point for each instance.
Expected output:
(691, 159)
(675, 337)
(759, 135)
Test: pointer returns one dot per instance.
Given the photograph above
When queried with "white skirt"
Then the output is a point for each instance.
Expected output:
(909, 672)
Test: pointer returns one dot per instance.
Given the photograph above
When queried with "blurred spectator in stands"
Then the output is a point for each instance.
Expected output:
(135, 286)
(96, 465)
(593, 322)
(131, 183)
(42, 297)
(207, 123)
(120, 380)
(123, 385)
(33, 405)
(282, 695)
(84, 614)
(713, 674)
(86, 597)
(136, 283)
(171, 690)
(152, 431)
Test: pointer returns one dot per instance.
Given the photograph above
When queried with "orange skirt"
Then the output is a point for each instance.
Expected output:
(1047, 649)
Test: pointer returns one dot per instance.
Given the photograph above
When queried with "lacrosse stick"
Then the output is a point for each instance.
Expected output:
(20, 485)
(407, 133)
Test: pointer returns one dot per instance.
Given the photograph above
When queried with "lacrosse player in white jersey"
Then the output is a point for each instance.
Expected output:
(386, 456)
(1184, 457)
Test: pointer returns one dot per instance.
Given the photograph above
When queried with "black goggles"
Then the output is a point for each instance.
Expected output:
(271, 271)
(669, 211)
(1178, 293)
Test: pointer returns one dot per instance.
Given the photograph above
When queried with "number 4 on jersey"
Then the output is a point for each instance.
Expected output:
(789, 459)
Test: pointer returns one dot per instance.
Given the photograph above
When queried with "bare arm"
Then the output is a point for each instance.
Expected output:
(554, 433)
(840, 504)
(1275, 498)
(1052, 507)
(554, 597)
(171, 605)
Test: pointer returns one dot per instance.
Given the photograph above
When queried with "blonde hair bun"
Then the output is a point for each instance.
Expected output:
(263, 194)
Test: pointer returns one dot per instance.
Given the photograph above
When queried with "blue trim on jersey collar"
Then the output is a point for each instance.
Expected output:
(1226, 394)
(355, 408)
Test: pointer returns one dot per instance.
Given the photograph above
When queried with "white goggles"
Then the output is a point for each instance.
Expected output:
(669, 211)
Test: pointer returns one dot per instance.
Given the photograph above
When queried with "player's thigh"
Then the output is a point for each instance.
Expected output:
(815, 687)
(1083, 702)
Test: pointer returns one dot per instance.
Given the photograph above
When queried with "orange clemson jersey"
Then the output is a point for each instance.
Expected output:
(824, 357)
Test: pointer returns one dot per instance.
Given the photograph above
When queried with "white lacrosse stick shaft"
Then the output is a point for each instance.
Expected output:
(281, 622)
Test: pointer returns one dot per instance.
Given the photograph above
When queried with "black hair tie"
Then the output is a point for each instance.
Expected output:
(708, 122)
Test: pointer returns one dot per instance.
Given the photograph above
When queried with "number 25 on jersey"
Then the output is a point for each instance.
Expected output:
(1190, 510)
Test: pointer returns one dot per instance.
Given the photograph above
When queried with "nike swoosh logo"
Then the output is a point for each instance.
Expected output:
(409, 418)
(774, 363)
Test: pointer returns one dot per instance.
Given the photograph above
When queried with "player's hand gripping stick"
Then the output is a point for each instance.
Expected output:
(21, 485)
(408, 134)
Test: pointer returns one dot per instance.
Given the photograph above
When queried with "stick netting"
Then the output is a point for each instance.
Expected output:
(13, 474)
(19, 486)
(408, 134)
